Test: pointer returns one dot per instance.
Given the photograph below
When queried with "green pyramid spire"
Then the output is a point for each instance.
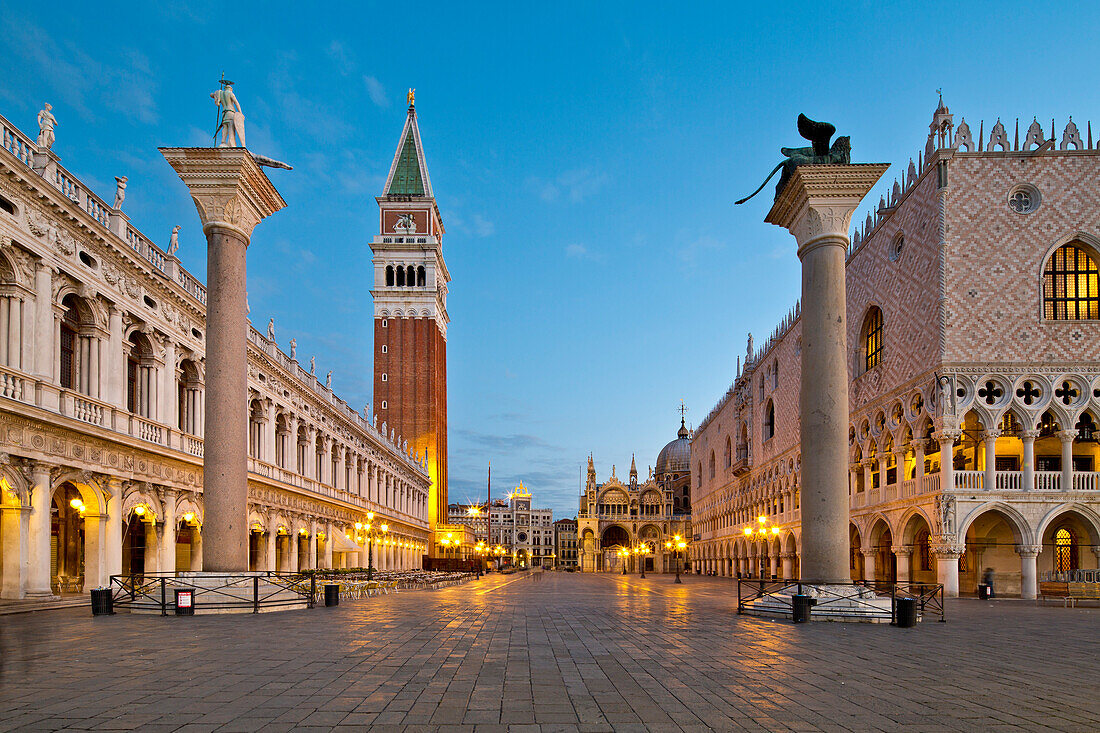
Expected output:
(407, 180)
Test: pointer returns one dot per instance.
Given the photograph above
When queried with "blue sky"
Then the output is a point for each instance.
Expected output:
(585, 157)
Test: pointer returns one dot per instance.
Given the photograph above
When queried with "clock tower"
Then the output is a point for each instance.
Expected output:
(410, 314)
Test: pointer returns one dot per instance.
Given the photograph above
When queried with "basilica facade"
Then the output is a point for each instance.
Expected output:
(630, 526)
(973, 326)
(102, 405)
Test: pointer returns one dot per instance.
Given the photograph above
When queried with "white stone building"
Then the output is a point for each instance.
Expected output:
(101, 411)
(973, 324)
(524, 536)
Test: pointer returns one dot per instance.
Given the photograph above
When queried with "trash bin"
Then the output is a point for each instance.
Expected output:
(185, 602)
(801, 605)
(984, 592)
(905, 613)
(332, 595)
(102, 602)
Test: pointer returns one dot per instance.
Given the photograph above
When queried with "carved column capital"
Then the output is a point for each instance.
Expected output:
(817, 203)
(228, 187)
(1028, 550)
(1066, 436)
(1029, 434)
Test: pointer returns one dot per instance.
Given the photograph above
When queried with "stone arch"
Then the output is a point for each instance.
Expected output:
(14, 487)
(1016, 521)
(1088, 516)
(907, 526)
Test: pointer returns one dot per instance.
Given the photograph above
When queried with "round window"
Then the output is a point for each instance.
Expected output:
(896, 247)
(522, 536)
(1024, 199)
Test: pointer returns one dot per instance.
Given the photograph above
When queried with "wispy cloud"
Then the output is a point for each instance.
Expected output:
(376, 91)
(512, 441)
(83, 83)
(573, 186)
(698, 247)
(578, 251)
(482, 226)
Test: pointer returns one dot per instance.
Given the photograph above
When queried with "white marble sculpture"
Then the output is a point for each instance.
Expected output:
(120, 192)
(328, 380)
(231, 122)
(271, 330)
(46, 123)
(313, 366)
(174, 241)
(293, 348)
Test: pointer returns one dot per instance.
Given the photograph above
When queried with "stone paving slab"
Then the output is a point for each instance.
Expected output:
(572, 653)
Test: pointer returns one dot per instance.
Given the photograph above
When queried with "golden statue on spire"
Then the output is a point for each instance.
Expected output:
(411, 96)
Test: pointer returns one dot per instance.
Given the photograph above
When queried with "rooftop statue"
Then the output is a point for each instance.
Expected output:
(46, 123)
(819, 153)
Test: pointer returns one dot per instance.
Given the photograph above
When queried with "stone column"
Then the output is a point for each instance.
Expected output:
(294, 543)
(169, 398)
(947, 440)
(167, 562)
(232, 195)
(1067, 436)
(112, 487)
(918, 450)
(14, 530)
(788, 565)
(947, 568)
(329, 529)
(312, 545)
(196, 548)
(269, 433)
(868, 482)
(882, 475)
(989, 443)
(38, 547)
(95, 526)
(1027, 437)
(816, 206)
(116, 361)
(868, 565)
(1028, 585)
(902, 553)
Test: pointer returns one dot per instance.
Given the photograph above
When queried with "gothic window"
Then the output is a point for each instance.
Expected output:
(1065, 551)
(775, 375)
(769, 420)
(729, 452)
(872, 338)
(1071, 285)
(712, 471)
(924, 550)
(389, 275)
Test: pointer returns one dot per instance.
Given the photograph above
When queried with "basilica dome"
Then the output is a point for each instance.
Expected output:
(676, 456)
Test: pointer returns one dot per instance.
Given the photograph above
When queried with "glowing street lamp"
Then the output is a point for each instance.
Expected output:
(677, 545)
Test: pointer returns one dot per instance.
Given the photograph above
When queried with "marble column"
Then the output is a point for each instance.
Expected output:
(14, 530)
(168, 532)
(312, 541)
(38, 547)
(329, 529)
(947, 440)
(903, 553)
(989, 443)
(947, 569)
(816, 206)
(112, 490)
(1067, 436)
(1028, 577)
(1027, 437)
(95, 530)
(232, 194)
(868, 566)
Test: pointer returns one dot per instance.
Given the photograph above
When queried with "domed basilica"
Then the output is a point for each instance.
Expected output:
(631, 525)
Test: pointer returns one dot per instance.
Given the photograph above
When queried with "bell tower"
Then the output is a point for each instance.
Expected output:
(410, 313)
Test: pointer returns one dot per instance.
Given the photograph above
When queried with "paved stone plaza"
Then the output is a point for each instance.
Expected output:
(565, 652)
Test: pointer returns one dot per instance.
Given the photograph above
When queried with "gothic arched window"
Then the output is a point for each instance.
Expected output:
(769, 420)
(1065, 551)
(872, 338)
(1071, 285)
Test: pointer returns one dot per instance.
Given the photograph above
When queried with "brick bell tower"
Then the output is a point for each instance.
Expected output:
(410, 313)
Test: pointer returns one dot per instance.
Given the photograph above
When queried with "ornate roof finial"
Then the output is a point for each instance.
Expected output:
(411, 96)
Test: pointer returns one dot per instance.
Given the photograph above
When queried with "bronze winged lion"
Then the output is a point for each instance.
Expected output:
(819, 153)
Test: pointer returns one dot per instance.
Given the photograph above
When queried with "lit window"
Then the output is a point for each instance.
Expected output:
(1065, 551)
(872, 338)
(1071, 285)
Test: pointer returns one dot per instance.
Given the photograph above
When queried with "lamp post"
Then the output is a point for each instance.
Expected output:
(624, 554)
(677, 545)
(761, 532)
(370, 543)
(641, 551)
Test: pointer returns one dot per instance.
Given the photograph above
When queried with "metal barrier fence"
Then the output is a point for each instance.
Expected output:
(255, 591)
(831, 600)
(1072, 576)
